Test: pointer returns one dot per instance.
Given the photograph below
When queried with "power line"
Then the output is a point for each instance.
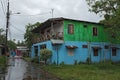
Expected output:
(5, 4)
(34, 14)
(16, 28)
(3, 8)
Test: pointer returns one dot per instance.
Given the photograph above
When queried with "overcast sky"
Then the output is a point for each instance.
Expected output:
(40, 10)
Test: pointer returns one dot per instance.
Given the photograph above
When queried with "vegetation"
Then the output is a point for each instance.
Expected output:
(2, 61)
(103, 71)
(35, 60)
(2, 36)
(29, 36)
(27, 59)
(110, 9)
(22, 43)
(11, 45)
(45, 54)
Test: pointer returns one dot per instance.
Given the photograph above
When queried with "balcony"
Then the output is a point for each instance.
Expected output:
(49, 36)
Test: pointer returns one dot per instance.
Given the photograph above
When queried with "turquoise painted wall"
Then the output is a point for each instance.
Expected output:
(80, 54)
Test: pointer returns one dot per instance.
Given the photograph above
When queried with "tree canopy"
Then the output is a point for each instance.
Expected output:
(2, 36)
(12, 45)
(29, 36)
(110, 9)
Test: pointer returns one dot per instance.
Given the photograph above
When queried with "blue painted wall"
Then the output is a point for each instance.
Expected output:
(60, 52)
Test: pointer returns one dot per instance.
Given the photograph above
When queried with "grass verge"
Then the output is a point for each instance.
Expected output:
(2, 61)
(105, 71)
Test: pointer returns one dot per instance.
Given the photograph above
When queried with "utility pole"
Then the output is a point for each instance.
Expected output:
(7, 22)
(52, 30)
(52, 12)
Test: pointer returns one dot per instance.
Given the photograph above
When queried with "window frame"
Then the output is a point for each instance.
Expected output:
(70, 52)
(43, 46)
(95, 31)
(70, 28)
(95, 52)
(36, 50)
(114, 52)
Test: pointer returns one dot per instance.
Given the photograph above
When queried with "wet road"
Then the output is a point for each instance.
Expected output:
(21, 70)
(16, 69)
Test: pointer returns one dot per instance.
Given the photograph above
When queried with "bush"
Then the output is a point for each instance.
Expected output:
(88, 60)
(62, 63)
(35, 60)
(75, 62)
(45, 54)
(2, 60)
(54, 63)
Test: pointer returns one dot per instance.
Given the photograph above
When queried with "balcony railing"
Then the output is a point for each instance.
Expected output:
(48, 36)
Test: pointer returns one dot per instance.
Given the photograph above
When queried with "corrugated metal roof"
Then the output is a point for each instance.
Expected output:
(55, 20)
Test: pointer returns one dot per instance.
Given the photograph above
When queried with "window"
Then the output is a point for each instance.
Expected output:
(43, 46)
(84, 25)
(113, 51)
(95, 52)
(84, 46)
(70, 52)
(36, 50)
(106, 47)
(95, 31)
(70, 28)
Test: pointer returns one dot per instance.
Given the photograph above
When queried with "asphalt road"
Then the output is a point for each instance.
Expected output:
(16, 69)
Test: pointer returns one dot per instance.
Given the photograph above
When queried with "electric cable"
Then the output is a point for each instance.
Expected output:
(3, 8)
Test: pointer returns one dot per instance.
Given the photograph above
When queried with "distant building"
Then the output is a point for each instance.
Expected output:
(75, 41)
(22, 51)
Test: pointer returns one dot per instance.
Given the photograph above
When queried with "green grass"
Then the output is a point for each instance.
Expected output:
(85, 72)
(2, 61)
(27, 59)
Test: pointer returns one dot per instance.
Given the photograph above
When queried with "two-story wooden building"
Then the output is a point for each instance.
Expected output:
(74, 41)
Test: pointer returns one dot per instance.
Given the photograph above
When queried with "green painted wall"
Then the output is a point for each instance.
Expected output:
(82, 33)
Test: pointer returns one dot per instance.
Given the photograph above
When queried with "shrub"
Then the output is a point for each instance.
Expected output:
(54, 63)
(45, 54)
(75, 62)
(88, 60)
(35, 60)
(2, 59)
(62, 63)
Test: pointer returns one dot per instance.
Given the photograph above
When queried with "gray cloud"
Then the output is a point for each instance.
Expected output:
(74, 9)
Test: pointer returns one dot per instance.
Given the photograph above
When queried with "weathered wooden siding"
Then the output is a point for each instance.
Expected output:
(82, 33)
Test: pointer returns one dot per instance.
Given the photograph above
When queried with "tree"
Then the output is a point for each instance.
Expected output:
(29, 36)
(21, 43)
(45, 54)
(11, 45)
(2, 36)
(110, 9)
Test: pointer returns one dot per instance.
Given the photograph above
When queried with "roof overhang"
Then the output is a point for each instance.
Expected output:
(57, 42)
(96, 47)
(115, 48)
(46, 24)
(71, 46)
(55, 21)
